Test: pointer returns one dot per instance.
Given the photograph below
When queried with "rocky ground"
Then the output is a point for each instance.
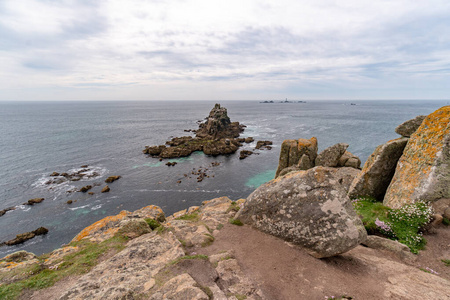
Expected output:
(198, 254)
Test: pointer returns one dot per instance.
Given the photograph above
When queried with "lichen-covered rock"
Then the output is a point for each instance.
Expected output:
(378, 170)
(109, 226)
(292, 150)
(348, 159)
(134, 228)
(423, 171)
(126, 274)
(181, 287)
(331, 155)
(345, 176)
(309, 208)
(407, 128)
(17, 259)
(57, 255)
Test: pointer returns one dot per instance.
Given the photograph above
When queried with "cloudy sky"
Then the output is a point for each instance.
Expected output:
(218, 50)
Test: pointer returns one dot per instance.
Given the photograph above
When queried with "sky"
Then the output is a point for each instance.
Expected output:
(224, 50)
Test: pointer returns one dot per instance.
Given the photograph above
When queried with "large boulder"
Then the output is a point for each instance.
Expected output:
(293, 150)
(423, 171)
(331, 155)
(407, 128)
(309, 208)
(378, 170)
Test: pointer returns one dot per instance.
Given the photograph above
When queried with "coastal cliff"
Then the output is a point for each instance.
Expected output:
(299, 236)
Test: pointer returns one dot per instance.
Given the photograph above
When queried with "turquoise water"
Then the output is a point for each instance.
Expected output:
(260, 178)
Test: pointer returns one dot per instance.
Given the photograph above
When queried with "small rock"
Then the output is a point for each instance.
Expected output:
(105, 189)
(111, 179)
(54, 174)
(84, 189)
(245, 153)
(69, 201)
(34, 201)
(91, 193)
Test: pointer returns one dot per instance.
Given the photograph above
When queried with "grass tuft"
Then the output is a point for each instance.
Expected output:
(236, 222)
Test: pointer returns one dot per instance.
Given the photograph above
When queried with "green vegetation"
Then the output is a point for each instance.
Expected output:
(220, 226)
(233, 207)
(446, 221)
(208, 241)
(236, 222)
(446, 262)
(152, 223)
(76, 263)
(190, 217)
(404, 224)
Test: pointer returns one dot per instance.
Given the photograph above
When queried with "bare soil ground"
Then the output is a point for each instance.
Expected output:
(285, 271)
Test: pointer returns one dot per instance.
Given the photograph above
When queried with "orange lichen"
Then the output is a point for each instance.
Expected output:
(97, 226)
(418, 158)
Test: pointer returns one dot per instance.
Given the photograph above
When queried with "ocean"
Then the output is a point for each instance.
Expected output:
(39, 138)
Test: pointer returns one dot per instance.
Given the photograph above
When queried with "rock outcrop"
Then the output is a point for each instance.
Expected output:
(308, 208)
(301, 154)
(23, 237)
(293, 150)
(378, 170)
(217, 136)
(331, 155)
(423, 171)
(407, 128)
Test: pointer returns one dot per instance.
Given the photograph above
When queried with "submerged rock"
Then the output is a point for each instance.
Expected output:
(309, 208)
(423, 172)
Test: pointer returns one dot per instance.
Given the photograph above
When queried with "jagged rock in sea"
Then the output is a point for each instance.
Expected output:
(264, 145)
(113, 178)
(216, 136)
(407, 128)
(348, 159)
(218, 125)
(244, 154)
(378, 170)
(331, 155)
(34, 201)
(23, 237)
(422, 173)
(292, 150)
(308, 208)
(4, 211)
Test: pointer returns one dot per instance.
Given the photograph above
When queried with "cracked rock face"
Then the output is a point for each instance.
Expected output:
(309, 208)
(423, 173)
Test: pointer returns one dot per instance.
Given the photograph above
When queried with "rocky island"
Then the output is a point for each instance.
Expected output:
(301, 235)
(216, 136)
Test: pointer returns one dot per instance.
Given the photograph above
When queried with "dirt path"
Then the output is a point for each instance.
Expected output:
(287, 272)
